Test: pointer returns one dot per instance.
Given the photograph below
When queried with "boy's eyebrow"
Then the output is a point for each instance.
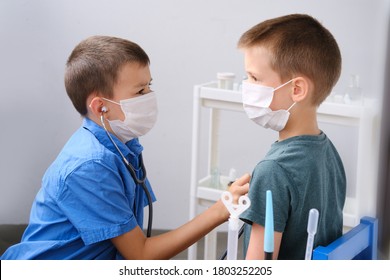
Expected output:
(251, 74)
(145, 84)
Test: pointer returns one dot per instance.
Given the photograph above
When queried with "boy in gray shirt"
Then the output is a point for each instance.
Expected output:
(292, 63)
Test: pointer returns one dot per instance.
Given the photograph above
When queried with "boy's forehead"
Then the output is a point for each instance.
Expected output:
(257, 58)
(134, 73)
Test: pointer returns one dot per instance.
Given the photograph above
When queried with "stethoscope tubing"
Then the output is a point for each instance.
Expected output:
(140, 182)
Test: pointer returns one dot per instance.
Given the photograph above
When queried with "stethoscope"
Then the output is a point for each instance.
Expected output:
(138, 181)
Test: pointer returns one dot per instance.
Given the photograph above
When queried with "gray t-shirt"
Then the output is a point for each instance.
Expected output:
(303, 172)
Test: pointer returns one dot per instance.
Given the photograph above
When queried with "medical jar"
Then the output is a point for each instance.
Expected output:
(225, 80)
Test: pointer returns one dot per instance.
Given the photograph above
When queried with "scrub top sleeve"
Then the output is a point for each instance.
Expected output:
(94, 200)
(268, 175)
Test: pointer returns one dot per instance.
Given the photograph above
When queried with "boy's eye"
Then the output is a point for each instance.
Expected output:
(148, 88)
(253, 78)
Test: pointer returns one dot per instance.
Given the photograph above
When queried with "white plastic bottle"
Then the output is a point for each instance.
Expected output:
(226, 80)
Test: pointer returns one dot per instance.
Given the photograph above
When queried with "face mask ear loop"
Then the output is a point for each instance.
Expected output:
(111, 101)
(288, 110)
(283, 85)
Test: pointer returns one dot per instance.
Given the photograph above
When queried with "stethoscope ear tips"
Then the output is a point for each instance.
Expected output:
(104, 109)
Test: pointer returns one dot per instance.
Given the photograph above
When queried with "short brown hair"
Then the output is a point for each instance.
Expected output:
(299, 45)
(94, 64)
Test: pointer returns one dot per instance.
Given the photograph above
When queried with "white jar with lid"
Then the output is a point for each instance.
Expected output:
(225, 80)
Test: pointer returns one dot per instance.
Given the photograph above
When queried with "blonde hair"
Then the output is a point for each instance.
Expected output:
(299, 45)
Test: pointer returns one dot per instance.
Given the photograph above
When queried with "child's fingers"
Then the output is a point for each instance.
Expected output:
(241, 185)
(242, 180)
(244, 189)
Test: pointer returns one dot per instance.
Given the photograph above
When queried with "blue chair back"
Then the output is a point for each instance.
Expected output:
(360, 243)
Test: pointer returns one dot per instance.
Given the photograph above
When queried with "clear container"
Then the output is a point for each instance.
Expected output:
(353, 94)
(215, 180)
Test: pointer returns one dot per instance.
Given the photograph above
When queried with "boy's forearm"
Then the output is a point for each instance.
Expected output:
(134, 244)
(169, 244)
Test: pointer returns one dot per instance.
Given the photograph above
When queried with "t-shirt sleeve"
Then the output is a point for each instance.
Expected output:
(268, 175)
(93, 198)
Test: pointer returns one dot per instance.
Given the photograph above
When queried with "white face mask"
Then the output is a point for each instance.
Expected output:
(256, 100)
(140, 117)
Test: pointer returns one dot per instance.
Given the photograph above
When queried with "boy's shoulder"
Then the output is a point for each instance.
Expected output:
(82, 145)
(298, 152)
(300, 145)
(80, 149)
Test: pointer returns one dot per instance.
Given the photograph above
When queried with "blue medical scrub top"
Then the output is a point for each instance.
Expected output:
(87, 197)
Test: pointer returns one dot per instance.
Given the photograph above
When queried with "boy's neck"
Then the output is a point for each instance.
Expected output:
(300, 123)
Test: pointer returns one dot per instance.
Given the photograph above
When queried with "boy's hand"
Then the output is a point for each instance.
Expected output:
(240, 187)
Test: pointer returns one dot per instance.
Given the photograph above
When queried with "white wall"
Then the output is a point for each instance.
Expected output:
(188, 42)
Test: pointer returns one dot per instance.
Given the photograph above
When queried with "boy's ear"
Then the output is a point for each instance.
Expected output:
(301, 89)
(96, 106)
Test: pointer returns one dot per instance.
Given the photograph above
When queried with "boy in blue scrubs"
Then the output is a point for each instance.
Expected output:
(292, 63)
(89, 206)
